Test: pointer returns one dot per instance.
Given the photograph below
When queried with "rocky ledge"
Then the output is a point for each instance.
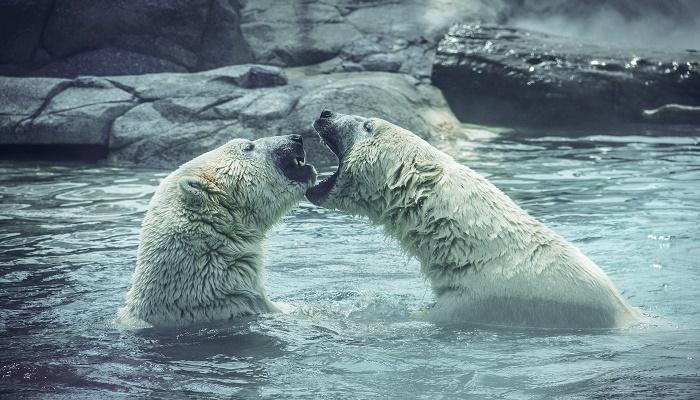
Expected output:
(500, 75)
(168, 118)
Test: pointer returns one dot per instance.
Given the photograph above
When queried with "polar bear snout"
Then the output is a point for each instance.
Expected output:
(332, 129)
(328, 126)
(289, 157)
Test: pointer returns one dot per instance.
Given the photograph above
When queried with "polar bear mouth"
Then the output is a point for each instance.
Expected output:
(291, 160)
(295, 169)
(319, 193)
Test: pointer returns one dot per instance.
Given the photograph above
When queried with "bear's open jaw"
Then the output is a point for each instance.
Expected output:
(319, 193)
(291, 160)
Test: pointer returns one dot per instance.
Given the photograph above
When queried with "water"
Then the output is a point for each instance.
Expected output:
(68, 237)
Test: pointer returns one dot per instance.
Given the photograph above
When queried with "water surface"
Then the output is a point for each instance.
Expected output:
(68, 238)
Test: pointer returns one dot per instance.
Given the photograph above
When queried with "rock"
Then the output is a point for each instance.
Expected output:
(22, 99)
(170, 130)
(81, 113)
(294, 33)
(387, 34)
(352, 67)
(674, 114)
(213, 83)
(117, 37)
(269, 105)
(222, 42)
(120, 37)
(390, 96)
(165, 119)
(21, 24)
(507, 76)
(102, 62)
(381, 62)
(259, 77)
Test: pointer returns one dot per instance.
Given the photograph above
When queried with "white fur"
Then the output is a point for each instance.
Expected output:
(487, 260)
(201, 244)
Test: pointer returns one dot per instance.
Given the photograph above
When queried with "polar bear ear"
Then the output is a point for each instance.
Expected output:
(193, 190)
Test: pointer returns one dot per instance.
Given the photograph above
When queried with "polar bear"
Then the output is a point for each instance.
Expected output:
(201, 244)
(486, 259)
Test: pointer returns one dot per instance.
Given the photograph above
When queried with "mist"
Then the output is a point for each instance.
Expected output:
(643, 23)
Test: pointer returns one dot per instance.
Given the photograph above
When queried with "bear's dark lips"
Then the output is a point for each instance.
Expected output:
(318, 193)
(328, 136)
(330, 142)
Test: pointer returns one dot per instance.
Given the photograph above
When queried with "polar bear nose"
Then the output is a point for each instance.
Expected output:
(296, 138)
(326, 114)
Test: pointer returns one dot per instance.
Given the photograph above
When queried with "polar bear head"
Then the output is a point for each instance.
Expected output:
(257, 181)
(201, 244)
(376, 158)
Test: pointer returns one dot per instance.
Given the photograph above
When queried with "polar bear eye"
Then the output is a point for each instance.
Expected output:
(368, 126)
(248, 147)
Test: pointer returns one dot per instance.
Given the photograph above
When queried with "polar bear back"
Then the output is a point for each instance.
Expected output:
(489, 261)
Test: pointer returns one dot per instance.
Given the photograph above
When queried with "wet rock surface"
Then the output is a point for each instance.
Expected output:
(499, 75)
(110, 37)
(165, 119)
(674, 114)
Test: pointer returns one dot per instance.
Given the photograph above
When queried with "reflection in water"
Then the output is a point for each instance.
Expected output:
(68, 236)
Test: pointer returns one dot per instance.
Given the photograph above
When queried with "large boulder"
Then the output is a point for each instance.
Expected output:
(22, 100)
(184, 114)
(501, 75)
(168, 118)
(82, 113)
(21, 25)
(103, 37)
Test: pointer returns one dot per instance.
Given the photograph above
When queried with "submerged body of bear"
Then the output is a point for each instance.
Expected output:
(201, 244)
(487, 260)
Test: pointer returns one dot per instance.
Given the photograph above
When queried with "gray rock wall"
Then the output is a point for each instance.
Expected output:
(119, 37)
(110, 37)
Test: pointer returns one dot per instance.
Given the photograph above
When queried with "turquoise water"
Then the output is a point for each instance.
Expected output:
(68, 237)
